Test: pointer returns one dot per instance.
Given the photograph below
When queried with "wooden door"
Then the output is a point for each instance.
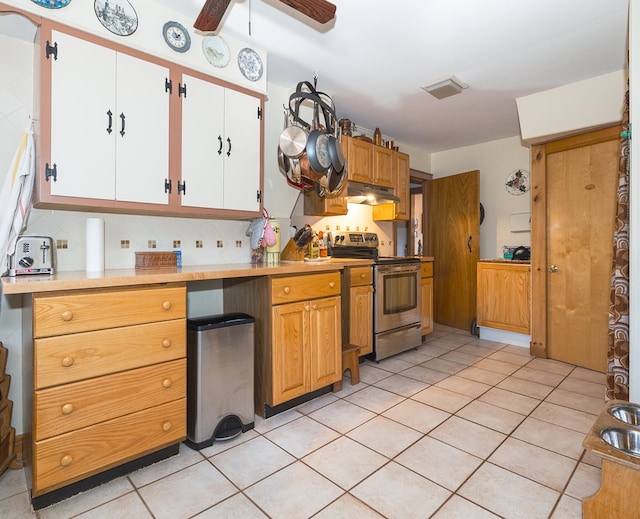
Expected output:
(454, 242)
(290, 351)
(573, 272)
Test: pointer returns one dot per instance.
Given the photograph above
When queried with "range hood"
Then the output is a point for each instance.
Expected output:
(367, 194)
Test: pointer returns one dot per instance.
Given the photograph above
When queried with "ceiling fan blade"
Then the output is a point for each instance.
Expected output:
(319, 10)
(211, 15)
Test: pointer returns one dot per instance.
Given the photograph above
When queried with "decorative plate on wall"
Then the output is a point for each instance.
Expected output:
(176, 36)
(517, 182)
(118, 16)
(250, 64)
(52, 4)
(216, 50)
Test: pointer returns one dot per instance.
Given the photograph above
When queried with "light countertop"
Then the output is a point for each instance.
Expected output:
(75, 280)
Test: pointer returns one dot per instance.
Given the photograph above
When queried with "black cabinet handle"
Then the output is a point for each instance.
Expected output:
(220, 148)
(469, 243)
(229, 150)
(122, 118)
(110, 126)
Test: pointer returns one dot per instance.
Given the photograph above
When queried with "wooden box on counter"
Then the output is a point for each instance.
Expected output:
(156, 259)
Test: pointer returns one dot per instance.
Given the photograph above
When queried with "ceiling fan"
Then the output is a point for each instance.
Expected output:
(213, 11)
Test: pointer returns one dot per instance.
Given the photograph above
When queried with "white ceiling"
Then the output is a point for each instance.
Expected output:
(375, 56)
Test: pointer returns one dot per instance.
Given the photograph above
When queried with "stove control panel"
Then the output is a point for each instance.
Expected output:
(356, 239)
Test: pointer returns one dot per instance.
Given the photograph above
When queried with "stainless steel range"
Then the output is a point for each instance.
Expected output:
(397, 301)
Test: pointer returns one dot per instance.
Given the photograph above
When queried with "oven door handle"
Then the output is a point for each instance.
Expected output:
(389, 269)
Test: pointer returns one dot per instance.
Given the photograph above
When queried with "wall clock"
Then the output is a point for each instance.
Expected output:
(517, 182)
(216, 50)
(250, 64)
(176, 36)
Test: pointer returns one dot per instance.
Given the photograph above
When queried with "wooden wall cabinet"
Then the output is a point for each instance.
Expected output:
(358, 308)
(359, 157)
(109, 380)
(383, 174)
(298, 333)
(398, 211)
(325, 206)
(427, 297)
(504, 296)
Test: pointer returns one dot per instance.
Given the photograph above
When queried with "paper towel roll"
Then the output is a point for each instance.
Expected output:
(95, 244)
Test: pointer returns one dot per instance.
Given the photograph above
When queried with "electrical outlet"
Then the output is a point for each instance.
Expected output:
(219, 244)
(357, 228)
(337, 227)
(327, 227)
(348, 228)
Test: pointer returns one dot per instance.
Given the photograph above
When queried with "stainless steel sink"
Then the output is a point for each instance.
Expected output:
(625, 440)
(627, 413)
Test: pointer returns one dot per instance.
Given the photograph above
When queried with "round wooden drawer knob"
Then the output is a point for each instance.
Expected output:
(166, 426)
(166, 383)
(286, 290)
(332, 284)
(166, 305)
(166, 343)
(67, 315)
(67, 409)
(67, 362)
(66, 460)
(363, 275)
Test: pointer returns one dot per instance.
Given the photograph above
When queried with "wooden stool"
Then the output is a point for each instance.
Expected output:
(350, 362)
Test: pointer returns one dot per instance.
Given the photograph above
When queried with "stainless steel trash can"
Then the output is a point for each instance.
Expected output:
(220, 369)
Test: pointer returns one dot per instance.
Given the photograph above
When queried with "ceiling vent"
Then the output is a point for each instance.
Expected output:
(445, 88)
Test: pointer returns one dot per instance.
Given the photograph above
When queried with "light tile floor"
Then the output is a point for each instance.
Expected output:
(457, 428)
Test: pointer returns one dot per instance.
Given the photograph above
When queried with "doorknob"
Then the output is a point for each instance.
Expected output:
(552, 269)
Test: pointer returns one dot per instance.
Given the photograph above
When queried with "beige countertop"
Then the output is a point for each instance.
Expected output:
(75, 280)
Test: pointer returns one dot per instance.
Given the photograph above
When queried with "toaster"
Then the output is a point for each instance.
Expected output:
(33, 255)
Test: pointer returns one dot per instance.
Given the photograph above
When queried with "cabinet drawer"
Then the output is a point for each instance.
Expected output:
(65, 408)
(69, 358)
(427, 269)
(70, 457)
(296, 288)
(61, 314)
(360, 276)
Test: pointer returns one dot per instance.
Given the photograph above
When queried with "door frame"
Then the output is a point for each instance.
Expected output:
(539, 343)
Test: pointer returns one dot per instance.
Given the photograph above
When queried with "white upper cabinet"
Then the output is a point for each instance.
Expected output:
(220, 147)
(109, 124)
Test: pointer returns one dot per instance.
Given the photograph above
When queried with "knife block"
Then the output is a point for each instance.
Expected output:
(292, 252)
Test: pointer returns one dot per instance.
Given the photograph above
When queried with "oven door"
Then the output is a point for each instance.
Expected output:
(397, 301)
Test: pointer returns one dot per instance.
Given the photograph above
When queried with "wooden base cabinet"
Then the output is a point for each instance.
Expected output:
(358, 325)
(298, 333)
(109, 380)
(427, 297)
(504, 296)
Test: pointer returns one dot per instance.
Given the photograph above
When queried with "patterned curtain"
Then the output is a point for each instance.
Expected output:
(618, 350)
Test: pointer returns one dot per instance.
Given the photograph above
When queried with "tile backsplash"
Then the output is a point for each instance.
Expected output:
(201, 241)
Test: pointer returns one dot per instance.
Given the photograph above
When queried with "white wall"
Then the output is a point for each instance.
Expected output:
(584, 105)
(495, 160)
